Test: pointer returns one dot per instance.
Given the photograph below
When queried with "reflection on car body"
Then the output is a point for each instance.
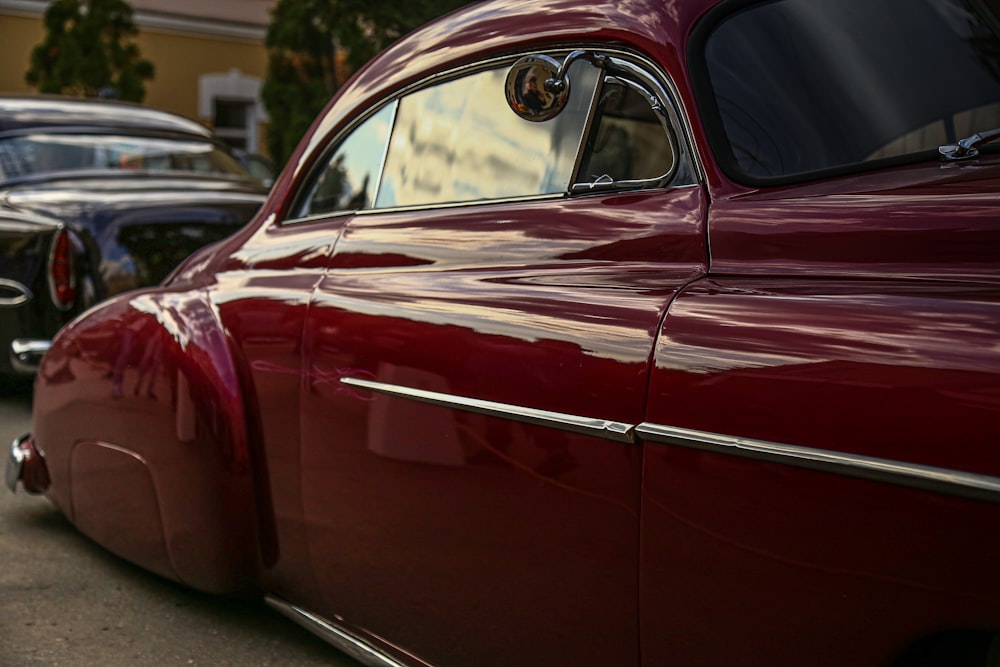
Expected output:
(698, 365)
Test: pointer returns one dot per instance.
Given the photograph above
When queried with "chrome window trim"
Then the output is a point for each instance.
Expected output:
(385, 152)
(425, 207)
(461, 204)
(602, 428)
(322, 163)
(928, 478)
(640, 66)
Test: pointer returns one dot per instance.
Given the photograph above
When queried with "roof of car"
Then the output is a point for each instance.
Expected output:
(20, 112)
(495, 27)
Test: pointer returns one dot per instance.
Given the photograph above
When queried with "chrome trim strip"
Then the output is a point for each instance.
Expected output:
(601, 428)
(15, 461)
(942, 480)
(348, 642)
(914, 475)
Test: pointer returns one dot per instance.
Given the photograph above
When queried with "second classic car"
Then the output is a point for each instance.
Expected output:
(97, 198)
(586, 333)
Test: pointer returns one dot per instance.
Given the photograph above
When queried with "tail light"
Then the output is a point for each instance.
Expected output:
(62, 278)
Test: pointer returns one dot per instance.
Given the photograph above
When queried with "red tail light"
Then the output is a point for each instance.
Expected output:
(62, 280)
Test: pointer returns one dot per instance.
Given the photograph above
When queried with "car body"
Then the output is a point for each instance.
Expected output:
(99, 197)
(694, 360)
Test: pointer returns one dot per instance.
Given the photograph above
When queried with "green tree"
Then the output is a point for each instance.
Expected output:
(89, 50)
(313, 45)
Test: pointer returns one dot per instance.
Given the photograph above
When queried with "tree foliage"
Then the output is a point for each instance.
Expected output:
(89, 50)
(314, 44)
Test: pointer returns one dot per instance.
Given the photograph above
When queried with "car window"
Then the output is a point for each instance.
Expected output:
(627, 141)
(800, 86)
(46, 153)
(458, 142)
(451, 142)
(348, 178)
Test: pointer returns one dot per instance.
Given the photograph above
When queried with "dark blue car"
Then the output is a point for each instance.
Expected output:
(99, 197)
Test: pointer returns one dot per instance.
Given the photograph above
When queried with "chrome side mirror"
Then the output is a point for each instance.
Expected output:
(538, 85)
(528, 91)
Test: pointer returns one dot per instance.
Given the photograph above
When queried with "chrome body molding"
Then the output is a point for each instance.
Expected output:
(26, 354)
(914, 475)
(345, 640)
(941, 480)
(601, 428)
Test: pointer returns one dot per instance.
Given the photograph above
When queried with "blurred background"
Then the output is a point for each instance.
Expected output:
(256, 71)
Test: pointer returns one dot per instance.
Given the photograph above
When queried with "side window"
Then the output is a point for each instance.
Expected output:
(627, 142)
(349, 179)
(457, 141)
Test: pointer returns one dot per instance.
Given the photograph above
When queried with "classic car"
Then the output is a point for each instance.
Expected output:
(99, 197)
(586, 333)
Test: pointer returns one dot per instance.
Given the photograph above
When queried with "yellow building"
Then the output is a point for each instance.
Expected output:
(209, 56)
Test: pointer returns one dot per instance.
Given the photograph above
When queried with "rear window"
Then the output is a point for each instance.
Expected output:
(794, 88)
(35, 154)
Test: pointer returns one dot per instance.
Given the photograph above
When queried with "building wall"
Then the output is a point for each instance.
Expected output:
(187, 40)
(18, 35)
(180, 60)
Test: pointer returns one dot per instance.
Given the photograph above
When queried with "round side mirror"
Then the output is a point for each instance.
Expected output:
(533, 90)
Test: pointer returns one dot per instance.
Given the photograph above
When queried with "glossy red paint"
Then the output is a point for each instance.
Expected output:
(145, 390)
(935, 222)
(223, 430)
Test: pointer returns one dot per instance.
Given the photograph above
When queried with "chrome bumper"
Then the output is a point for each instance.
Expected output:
(26, 354)
(26, 464)
(15, 461)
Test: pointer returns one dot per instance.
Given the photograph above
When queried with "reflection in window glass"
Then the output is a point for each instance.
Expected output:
(33, 154)
(351, 175)
(803, 86)
(459, 141)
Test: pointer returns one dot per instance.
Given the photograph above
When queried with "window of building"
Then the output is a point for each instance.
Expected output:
(232, 102)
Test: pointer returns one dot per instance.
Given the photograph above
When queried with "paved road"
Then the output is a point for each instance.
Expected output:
(65, 601)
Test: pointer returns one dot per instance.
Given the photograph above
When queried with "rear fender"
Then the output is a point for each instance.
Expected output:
(140, 414)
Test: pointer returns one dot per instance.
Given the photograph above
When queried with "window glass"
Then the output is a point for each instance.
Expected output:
(232, 122)
(349, 179)
(33, 154)
(627, 141)
(458, 141)
(803, 86)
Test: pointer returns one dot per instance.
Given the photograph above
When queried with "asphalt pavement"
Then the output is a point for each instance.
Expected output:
(66, 601)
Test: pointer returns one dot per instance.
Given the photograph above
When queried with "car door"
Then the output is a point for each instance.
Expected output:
(477, 354)
(820, 483)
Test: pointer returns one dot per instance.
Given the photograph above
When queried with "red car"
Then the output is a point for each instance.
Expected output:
(586, 333)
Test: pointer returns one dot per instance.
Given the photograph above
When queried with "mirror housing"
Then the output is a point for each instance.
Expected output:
(534, 89)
